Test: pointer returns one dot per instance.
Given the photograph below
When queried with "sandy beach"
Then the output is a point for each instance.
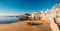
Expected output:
(22, 26)
(29, 15)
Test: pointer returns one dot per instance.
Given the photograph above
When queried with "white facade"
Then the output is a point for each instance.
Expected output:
(50, 14)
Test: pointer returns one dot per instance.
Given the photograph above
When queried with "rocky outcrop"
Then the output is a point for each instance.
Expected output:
(23, 17)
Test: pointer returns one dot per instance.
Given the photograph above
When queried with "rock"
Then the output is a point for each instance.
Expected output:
(34, 23)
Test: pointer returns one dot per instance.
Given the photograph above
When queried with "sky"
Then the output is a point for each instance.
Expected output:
(25, 6)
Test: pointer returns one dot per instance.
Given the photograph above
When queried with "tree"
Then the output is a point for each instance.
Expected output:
(27, 14)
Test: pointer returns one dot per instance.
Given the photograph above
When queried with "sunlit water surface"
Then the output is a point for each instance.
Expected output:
(6, 20)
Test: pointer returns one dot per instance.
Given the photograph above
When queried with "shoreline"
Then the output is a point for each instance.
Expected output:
(22, 26)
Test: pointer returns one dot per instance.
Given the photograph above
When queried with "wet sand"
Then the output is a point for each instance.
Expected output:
(22, 26)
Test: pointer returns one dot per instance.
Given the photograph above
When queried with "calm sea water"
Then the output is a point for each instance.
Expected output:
(5, 19)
